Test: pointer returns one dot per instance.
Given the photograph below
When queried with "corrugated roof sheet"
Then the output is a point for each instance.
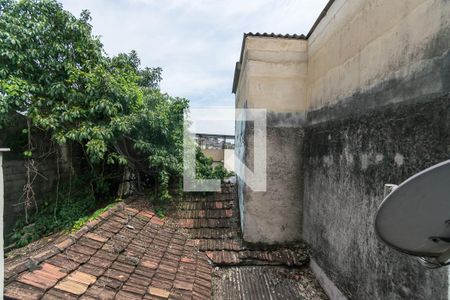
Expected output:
(264, 282)
(276, 35)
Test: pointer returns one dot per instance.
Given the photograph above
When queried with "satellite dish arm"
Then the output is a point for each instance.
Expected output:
(389, 188)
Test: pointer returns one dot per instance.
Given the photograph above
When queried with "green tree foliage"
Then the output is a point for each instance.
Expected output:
(54, 71)
(205, 170)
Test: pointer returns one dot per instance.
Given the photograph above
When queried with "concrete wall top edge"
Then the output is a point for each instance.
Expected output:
(357, 45)
(275, 44)
(272, 74)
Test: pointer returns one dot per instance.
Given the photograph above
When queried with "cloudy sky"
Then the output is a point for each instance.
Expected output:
(196, 42)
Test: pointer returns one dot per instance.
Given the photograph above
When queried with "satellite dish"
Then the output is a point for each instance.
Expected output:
(415, 217)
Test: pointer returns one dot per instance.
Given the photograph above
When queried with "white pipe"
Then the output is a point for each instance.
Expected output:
(1, 220)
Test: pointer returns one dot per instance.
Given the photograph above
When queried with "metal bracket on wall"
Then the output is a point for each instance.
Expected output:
(389, 188)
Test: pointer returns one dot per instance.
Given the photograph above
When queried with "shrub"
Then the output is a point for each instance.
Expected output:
(71, 210)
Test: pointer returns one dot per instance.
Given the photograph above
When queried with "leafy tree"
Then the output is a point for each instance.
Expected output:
(205, 170)
(55, 72)
(158, 135)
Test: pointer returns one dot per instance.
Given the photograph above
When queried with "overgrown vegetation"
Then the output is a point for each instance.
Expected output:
(205, 169)
(75, 207)
(57, 74)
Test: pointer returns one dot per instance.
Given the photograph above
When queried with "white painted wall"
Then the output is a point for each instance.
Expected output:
(229, 159)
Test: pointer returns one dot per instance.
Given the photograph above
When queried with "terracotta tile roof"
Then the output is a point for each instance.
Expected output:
(213, 222)
(129, 253)
(124, 254)
(245, 271)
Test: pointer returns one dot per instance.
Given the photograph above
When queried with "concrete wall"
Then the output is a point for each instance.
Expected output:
(2, 150)
(14, 171)
(376, 100)
(273, 77)
(347, 162)
(14, 180)
(273, 74)
(378, 112)
(362, 44)
(241, 145)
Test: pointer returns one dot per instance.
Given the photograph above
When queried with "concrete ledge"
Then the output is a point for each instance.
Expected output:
(329, 287)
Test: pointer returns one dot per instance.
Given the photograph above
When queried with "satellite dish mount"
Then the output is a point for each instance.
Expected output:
(414, 217)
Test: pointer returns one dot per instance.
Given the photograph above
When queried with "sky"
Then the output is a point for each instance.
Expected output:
(195, 42)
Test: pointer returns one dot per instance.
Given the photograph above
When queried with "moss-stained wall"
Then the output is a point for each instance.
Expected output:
(376, 110)
(273, 77)
(347, 163)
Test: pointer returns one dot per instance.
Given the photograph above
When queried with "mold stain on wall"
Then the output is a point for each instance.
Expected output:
(341, 198)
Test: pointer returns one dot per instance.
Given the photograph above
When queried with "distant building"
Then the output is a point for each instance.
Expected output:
(220, 148)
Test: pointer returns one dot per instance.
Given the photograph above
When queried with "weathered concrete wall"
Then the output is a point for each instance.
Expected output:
(2, 242)
(273, 74)
(376, 100)
(15, 173)
(378, 86)
(15, 178)
(347, 162)
(241, 144)
(360, 44)
(274, 216)
(270, 77)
